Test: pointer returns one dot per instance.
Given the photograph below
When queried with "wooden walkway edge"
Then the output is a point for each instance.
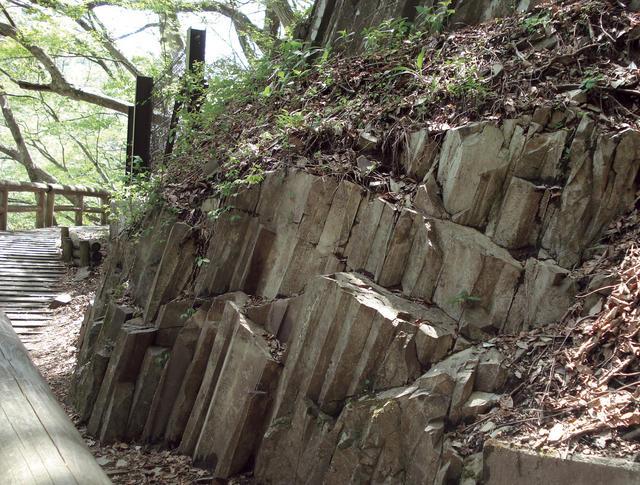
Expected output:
(38, 443)
(30, 273)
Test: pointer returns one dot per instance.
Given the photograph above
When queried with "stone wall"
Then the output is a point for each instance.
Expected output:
(317, 333)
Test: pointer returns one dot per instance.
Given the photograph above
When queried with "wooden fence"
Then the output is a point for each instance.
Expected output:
(46, 203)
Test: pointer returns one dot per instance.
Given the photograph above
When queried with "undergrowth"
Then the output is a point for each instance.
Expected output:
(308, 106)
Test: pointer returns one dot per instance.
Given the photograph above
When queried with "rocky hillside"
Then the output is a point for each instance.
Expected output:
(343, 269)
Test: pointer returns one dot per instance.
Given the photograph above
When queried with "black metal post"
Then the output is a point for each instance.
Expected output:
(196, 41)
(131, 113)
(142, 124)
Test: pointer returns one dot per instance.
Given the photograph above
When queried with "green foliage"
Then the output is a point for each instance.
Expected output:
(464, 298)
(388, 34)
(188, 314)
(136, 196)
(591, 79)
(434, 18)
(533, 22)
(290, 119)
(201, 261)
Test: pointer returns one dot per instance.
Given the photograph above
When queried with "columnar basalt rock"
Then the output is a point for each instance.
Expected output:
(334, 334)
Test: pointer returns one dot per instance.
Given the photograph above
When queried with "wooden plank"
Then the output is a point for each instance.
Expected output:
(17, 317)
(48, 448)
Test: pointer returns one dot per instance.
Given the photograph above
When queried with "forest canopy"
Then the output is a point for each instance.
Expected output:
(68, 69)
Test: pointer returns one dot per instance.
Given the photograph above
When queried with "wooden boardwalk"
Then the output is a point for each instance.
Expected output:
(30, 273)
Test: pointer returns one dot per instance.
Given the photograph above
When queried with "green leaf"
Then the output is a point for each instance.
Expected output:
(420, 60)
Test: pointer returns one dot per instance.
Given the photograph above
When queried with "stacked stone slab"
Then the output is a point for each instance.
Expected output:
(332, 335)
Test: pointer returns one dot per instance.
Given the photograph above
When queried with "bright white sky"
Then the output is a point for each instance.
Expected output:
(221, 38)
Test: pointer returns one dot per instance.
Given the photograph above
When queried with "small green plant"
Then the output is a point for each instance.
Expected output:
(591, 80)
(188, 313)
(215, 214)
(388, 34)
(293, 119)
(119, 290)
(464, 298)
(534, 22)
(201, 261)
(466, 80)
(434, 18)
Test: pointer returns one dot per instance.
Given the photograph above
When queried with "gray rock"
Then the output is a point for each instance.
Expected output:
(151, 370)
(434, 338)
(236, 419)
(472, 165)
(174, 269)
(491, 374)
(516, 225)
(428, 201)
(419, 154)
(478, 403)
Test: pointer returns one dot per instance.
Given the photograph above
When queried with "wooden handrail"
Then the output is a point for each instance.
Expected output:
(46, 202)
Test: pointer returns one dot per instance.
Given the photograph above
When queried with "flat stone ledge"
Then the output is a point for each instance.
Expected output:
(506, 465)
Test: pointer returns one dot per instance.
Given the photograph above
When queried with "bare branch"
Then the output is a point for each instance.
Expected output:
(141, 29)
(21, 153)
(58, 83)
(93, 160)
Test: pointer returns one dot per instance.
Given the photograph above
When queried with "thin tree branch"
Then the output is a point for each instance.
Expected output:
(58, 83)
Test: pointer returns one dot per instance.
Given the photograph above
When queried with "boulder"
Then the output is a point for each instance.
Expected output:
(478, 403)
(435, 337)
(190, 386)
(516, 224)
(171, 318)
(354, 335)
(544, 296)
(491, 374)
(428, 200)
(540, 159)
(464, 273)
(393, 437)
(340, 218)
(602, 171)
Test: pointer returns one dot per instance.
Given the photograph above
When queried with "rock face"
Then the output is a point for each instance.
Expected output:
(333, 336)
(329, 17)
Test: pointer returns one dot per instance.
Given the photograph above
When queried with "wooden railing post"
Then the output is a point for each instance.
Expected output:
(42, 207)
(4, 209)
(79, 210)
(51, 203)
(104, 203)
(85, 253)
(45, 207)
(142, 125)
(66, 244)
